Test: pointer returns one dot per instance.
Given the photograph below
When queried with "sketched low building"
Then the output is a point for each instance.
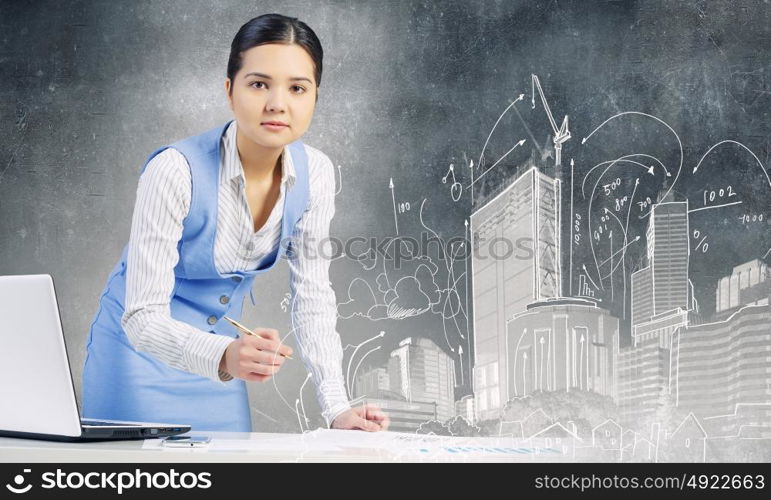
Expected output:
(405, 416)
(371, 381)
(421, 371)
(644, 368)
(464, 407)
(723, 366)
(561, 344)
(417, 385)
(748, 285)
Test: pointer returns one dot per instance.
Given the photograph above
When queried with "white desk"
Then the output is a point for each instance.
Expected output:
(366, 450)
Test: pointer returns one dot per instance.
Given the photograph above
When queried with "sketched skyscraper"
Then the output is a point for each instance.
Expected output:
(515, 261)
(662, 298)
(663, 285)
(421, 371)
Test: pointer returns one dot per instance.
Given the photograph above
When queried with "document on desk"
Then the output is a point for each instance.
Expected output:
(285, 442)
(412, 445)
(391, 444)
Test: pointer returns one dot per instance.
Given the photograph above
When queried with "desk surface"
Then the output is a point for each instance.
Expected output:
(258, 449)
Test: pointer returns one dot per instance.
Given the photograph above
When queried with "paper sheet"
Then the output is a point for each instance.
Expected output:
(391, 444)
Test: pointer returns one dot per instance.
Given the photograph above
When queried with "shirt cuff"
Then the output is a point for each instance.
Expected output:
(333, 399)
(334, 412)
(203, 352)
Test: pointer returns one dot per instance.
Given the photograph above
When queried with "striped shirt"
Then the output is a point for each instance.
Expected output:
(163, 201)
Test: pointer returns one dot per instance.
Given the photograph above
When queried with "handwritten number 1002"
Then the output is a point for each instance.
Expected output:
(710, 195)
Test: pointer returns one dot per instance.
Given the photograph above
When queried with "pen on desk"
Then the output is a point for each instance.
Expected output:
(248, 331)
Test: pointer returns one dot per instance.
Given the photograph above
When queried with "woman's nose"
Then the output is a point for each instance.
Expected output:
(276, 101)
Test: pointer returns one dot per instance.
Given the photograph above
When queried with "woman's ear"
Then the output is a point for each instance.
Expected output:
(228, 94)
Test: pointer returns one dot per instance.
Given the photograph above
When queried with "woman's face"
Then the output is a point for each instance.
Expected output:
(275, 83)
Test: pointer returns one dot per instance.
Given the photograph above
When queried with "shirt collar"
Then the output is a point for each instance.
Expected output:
(232, 168)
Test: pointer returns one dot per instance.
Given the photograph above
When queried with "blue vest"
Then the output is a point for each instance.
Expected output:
(120, 383)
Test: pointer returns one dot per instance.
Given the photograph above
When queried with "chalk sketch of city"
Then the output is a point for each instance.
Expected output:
(582, 336)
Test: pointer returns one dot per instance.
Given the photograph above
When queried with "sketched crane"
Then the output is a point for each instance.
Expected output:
(561, 134)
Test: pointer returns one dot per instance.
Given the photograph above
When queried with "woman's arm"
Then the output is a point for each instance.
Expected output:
(162, 203)
(314, 305)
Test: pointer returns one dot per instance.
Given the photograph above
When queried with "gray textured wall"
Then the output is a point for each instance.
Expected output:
(88, 89)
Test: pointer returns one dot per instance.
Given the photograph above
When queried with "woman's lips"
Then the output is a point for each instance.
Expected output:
(274, 126)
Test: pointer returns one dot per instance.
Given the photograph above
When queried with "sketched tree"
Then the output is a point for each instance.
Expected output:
(584, 409)
(459, 426)
(433, 427)
(667, 415)
(489, 427)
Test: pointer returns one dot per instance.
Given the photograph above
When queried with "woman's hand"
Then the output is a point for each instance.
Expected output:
(255, 358)
(367, 417)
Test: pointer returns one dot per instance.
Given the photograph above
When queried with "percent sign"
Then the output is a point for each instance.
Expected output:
(701, 244)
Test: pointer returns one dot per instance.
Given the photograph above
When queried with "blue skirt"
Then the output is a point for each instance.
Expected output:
(120, 383)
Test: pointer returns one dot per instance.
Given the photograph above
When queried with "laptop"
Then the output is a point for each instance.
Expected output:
(37, 394)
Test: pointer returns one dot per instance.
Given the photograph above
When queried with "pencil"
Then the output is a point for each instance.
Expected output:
(248, 332)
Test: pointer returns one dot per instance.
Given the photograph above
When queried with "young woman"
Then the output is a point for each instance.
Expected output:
(213, 211)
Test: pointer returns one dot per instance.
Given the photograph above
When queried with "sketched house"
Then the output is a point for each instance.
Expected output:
(559, 437)
(688, 443)
(627, 443)
(607, 435)
(628, 438)
(643, 450)
(535, 422)
(511, 429)
(636, 448)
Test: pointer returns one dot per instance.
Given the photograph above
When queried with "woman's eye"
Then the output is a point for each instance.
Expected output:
(299, 89)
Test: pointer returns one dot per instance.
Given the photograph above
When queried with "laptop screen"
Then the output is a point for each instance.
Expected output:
(35, 378)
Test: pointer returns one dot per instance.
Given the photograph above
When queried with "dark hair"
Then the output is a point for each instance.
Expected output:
(274, 28)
